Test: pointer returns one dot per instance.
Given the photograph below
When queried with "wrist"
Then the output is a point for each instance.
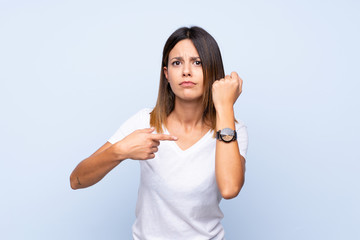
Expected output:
(224, 109)
(117, 151)
(225, 119)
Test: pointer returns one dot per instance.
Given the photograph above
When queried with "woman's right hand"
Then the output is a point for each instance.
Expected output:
(141, 144)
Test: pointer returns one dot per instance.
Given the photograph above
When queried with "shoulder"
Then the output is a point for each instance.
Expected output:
(142, 117)
(139, 120)
(242, 137)
(240, 124)
(145, 112)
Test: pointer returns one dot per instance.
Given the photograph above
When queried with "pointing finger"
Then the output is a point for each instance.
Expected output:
(163, 137)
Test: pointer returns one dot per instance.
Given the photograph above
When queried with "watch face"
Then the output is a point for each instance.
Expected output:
(227, 134)
(227, 138)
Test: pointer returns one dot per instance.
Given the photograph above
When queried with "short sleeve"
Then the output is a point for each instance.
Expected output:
(140, 120)
(242, 138)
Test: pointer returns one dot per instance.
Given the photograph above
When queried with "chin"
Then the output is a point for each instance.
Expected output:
(190, 98)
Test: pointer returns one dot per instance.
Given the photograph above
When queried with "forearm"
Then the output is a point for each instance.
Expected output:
(92, 169)
(229, 164)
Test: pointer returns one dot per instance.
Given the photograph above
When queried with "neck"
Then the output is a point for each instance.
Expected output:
(188, 114)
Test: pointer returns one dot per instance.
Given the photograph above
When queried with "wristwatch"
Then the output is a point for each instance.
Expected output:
(226, 135)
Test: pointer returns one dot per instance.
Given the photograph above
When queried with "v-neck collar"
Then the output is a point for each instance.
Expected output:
(192, 147)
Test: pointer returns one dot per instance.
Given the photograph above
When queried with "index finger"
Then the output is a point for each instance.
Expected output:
(162, 137)
(234, 75)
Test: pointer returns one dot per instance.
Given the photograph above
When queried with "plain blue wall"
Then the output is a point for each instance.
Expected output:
(72, 71)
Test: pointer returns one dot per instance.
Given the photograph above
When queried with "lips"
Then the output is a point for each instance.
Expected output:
(187, 84)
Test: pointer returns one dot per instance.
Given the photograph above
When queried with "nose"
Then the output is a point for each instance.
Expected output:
(186, 70)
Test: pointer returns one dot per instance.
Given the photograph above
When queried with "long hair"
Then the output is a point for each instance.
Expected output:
(212, 67)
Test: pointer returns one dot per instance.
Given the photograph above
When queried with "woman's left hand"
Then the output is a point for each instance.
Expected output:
(225, 91)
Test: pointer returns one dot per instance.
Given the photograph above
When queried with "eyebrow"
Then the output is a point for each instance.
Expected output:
(181, 58)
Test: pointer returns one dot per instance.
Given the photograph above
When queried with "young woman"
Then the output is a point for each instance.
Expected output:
(191, 149)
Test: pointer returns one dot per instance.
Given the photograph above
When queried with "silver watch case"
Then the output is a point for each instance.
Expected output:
(226, 135)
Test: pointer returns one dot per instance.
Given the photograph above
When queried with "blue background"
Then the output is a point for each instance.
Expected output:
(72, 71)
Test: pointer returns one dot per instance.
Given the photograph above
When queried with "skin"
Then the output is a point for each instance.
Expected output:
(185, 124)
(229, 164)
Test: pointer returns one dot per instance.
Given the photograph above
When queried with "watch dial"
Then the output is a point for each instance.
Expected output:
(227, 134)
(227, 137)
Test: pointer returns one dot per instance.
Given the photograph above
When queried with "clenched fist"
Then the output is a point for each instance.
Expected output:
(225, 91)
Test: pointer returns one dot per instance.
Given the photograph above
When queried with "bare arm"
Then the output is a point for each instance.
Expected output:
(229, 164)
(139, 145)
(92, 169)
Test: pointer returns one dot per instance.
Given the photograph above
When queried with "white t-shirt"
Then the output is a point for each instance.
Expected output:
(178, 195)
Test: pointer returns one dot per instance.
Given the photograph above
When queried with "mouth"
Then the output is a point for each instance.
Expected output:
(187, 84)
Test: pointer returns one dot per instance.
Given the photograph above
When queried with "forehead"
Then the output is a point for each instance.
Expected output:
(184, 48)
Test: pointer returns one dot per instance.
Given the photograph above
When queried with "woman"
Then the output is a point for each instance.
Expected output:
(190, 145)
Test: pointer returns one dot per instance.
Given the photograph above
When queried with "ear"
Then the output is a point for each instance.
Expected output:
(166, 73)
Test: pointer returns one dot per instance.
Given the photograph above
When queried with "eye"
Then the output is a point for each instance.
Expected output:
(176, 63)
(197, 63)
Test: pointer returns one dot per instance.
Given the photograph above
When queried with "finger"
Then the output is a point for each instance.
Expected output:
(215, 83)
(240, 84)
(234, 75)
(155, 143)
(227, 77)
(162, 137)
(151, 155)
(154, 149)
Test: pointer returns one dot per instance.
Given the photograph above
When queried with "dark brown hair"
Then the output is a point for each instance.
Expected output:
(212, 67)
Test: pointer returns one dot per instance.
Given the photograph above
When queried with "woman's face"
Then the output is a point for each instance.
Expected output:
(184, 71)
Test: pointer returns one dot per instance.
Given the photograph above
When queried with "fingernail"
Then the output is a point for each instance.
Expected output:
(175, 138)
